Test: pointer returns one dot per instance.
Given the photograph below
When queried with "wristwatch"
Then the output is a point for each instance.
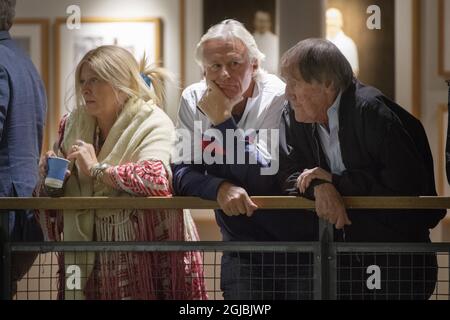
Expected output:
(98, 170)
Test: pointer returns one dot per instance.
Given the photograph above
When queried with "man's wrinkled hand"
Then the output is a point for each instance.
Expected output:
(308, 175)
(216, 105)
(330, 206)
(234, 200)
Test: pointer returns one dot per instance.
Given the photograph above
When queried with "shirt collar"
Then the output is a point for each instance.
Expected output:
(4, 35)
(333, 112)
(256, 89)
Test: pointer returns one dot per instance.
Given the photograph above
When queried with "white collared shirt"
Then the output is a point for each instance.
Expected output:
(329, 139)
(262, 111)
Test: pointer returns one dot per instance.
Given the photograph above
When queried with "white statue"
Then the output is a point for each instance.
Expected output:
(267, 41)
(335, 34)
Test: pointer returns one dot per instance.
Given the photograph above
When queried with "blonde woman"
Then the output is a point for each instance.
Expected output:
(119, 143)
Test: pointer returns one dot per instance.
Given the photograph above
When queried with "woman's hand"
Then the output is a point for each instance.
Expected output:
(45, 190)
(84, 153)
(43, 163)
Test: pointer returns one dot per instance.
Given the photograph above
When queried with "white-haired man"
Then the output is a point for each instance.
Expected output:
(238, 94)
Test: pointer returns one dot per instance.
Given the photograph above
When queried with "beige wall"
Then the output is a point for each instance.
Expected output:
(167, 10)
(434, 93)
(403, 49)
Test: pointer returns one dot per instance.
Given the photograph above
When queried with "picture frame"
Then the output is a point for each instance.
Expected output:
(444, 38)
(215, 11)
(138, 35)
(32, 35)
(407, 53)
(370, 51)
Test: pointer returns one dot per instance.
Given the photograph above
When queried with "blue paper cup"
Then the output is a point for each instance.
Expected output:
(57, 168)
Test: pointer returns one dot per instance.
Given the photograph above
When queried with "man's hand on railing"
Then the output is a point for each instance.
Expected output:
(330, 206)
(234, 200)
(308, 175)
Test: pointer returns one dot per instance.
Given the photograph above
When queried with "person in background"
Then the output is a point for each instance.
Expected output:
(267, 41)
(119, 143)
(335, 34)
(23, 107)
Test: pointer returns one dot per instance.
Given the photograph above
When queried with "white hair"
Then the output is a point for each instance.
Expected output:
(231, 29)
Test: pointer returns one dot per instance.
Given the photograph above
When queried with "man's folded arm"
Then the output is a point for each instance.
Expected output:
(192, 180)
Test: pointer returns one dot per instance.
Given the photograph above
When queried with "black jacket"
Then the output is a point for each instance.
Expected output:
(386, 153)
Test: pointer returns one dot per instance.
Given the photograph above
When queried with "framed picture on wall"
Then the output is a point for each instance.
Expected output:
(371, 53)
(139, 36)
(258, 16)
(32, 35)
(444, 38)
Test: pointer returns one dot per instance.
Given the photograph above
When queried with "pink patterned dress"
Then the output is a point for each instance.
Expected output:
(140, 275)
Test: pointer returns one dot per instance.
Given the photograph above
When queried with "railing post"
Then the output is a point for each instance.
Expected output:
(325, 263)
(317, 263)
(5, 254)
(332, 264)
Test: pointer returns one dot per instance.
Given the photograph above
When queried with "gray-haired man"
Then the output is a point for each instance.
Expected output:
(342, 138)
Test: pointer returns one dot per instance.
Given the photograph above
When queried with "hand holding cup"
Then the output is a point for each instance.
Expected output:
(57, 170)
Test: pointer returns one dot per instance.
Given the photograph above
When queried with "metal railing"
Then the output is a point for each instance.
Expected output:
(327, 278)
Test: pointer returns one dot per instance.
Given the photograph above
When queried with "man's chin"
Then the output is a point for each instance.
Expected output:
(230, 95)
(300, 118)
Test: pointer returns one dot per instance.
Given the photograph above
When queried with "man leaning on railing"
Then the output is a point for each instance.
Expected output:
(238, 97)
(343, 138)
(22, 115)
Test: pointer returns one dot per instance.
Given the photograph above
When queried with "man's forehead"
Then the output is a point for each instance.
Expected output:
(224, 46)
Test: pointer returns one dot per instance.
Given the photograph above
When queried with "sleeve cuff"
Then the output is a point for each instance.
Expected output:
(335, 180)
(211, 188)
(309, 194)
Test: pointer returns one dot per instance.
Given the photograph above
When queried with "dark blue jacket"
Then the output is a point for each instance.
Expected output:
(201, 180)
(22, 116)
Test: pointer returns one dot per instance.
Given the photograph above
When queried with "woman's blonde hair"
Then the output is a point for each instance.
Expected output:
(118, 67)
